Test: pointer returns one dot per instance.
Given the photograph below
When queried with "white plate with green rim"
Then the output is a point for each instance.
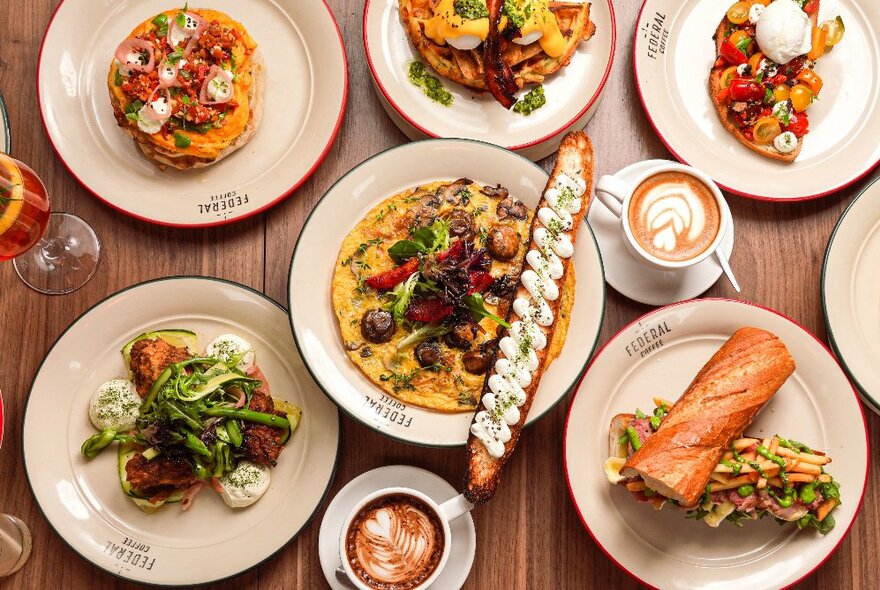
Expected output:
(306, 87)
(673, 51)
(851, 290)
(82, 499)
(658, 355)
(314, 323)
(5, 135)
(572, 93)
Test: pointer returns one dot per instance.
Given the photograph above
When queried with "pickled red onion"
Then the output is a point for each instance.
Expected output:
(201, 26)
(168, 74)
(215, 72)
(138, 46)
(149, 111)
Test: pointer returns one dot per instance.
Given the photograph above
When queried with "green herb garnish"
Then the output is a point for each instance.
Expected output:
(477, 306)
(531, 102)
(181, 140)
(161, 22)
(470, 9)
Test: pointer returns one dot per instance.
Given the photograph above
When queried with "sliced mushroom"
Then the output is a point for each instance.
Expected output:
(495, 191)
(511, 207)
(462, 335)
(428, 353)
(454, 193)
(502, 242)
(475, 361)
(461, 224)
(377, 326)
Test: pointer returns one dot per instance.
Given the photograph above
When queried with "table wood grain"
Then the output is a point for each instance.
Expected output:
(778, 256)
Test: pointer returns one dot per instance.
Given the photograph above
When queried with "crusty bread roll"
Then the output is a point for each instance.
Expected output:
(721, 401)
(575, 159)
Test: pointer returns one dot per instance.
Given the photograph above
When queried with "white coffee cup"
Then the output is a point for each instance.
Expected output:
(446, 513)
(616, 195)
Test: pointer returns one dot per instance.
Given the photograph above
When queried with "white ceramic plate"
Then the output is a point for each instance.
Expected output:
(82, 500)
(673, 53)
(851, 289)
(5, 136)
(659, 354)
(570, 93)
(304, 100)
(314, 324)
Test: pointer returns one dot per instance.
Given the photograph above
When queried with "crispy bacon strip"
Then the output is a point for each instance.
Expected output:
(499, 77)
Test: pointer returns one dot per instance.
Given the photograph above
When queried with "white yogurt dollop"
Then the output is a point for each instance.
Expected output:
(115, 405)
(245, 484)
(228, 347)
(785, 142)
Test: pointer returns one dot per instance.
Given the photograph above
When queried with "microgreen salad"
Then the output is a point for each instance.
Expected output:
(184, 420)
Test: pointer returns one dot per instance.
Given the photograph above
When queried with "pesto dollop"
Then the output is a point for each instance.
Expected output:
(531, 102)
(470, 9)
(430, 85)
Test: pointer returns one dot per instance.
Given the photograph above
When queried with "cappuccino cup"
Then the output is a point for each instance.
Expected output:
(672, 216)
(398, 539)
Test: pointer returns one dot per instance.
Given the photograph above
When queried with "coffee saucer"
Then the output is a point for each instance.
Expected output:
(464, 536)
(635, 279)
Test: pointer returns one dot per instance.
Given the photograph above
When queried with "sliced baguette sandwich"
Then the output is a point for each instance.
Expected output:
(513, 378)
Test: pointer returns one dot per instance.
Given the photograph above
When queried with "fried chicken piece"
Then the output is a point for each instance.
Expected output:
(162, 474)
(149, 358)
(260, 443)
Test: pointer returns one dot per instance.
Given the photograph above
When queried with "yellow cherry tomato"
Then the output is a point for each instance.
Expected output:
(781, 92)
(819, 37)
(755, 62)
(737, 37)
(801, 97)
(738, 13)
(811, 79)
(766, 130)
(834, 31)
(728, 75)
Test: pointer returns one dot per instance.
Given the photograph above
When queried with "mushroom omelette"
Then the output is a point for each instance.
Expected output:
(422, 285)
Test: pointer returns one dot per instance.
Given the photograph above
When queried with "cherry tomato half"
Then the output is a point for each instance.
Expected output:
(738, 13)
(811, 79)
(797, 124)
(819, 37)
(732, 55)
(834, 30)
(727, 76)
(766, 130)
(781, 92)
(755, 62)
(747, 90)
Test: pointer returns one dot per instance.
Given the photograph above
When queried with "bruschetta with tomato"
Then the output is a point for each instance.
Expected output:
(764, 78)
(187, 86)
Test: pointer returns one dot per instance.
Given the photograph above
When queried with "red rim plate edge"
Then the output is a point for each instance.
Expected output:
(687, 302)
(272, 203)
(729, 189)
(430, 134)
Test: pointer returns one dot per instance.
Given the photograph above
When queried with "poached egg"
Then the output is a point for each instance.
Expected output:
(783, 31)
(447, 26)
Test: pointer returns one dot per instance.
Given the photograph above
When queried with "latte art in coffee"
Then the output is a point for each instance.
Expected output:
(674, 216)
(395, 542)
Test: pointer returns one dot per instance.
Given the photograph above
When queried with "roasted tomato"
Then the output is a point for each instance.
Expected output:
(781, 92)
(738, 13)
(766, 130)
(727, 76)
(801, 97)
(797, 124)
(819, 37)
(811, 79)
(742, 89)
(731, 54)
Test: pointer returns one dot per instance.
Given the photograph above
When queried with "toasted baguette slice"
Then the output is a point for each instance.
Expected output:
(724, 113)
(718, 405)
(575, 159)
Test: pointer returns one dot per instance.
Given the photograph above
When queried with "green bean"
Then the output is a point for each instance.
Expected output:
(234, 433)
(248, 415)
(201, 471)
(97, 443)
(154, 391)
(633, 438)
(196, 445)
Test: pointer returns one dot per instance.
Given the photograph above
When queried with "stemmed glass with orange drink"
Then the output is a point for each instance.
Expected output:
(53, 253)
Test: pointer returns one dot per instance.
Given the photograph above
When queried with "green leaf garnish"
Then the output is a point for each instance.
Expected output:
(477, 306)
(181, 140)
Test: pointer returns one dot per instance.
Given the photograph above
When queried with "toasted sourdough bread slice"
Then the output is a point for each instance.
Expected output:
(575, 159)
(723, 111)
(719, 404)
(163, 157)
(529, 63)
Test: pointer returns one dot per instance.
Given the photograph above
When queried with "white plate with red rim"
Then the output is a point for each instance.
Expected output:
(572, 92)
(82, 499)
(314, 324)
(850, 291)
(673, 53)
(306, 84)
(658, 355)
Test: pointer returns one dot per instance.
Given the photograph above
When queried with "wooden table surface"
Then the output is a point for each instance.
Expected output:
(778, 255)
